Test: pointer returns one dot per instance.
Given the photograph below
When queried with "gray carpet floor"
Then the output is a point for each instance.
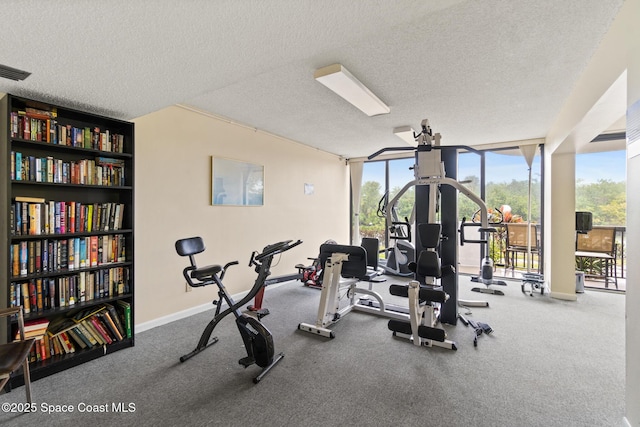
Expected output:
(547, 363)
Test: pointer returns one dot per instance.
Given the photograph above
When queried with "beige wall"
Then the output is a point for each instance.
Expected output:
(172, 199)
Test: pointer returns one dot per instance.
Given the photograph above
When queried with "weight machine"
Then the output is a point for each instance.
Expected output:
(436, 192)
(344, 267)
(425, 300)
(429, 303)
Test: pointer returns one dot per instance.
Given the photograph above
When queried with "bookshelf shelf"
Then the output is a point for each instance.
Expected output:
(70, 235)
(82, 186)
(78, 306)
(24, 143)
(66, 227)
(60, 363)
(67, 272)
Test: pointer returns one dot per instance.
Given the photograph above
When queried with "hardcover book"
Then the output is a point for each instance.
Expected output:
(125, 310)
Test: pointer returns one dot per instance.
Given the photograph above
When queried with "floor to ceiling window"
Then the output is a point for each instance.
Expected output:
(506, 194)
(374, 184)
(601, 186)
(601, 190)
(503, 181)
(381, 182)
(506, 184)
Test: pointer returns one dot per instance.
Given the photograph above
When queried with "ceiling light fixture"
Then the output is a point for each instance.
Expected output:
(406, 134)
(341, 81)
(13, 73)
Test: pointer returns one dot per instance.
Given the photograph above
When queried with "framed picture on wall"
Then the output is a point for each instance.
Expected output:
(236, 183)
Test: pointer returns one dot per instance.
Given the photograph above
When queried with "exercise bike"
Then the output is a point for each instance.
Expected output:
(402, 252)
(258, 341)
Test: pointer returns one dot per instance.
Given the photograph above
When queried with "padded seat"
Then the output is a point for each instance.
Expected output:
(434, 294)
(428, 265)
(372, 246)
(190, 247)
(203, 273)
(355, 267)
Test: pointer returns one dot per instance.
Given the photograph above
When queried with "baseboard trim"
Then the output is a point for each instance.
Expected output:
(163, 320)
(562, 296)
(160, 321)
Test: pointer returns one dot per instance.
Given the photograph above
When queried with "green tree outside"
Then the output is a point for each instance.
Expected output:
(605, 199)
(371, 225)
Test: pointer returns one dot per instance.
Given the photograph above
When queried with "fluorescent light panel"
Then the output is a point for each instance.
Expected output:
(406, 134)
(341, 81)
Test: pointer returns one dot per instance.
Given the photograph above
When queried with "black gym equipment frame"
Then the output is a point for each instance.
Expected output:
(257, 339)
(431, 196)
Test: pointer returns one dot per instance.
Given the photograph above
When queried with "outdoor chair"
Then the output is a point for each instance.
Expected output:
(516, 242)
(596, 253)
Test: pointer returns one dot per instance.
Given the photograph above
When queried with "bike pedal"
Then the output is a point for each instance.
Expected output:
(247, 361)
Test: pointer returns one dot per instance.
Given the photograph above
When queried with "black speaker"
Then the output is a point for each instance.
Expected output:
(584, 222)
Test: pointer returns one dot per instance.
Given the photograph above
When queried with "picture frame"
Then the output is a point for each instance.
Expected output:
(236, 183)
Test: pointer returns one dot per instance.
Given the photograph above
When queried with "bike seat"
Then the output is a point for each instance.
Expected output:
(203, 273)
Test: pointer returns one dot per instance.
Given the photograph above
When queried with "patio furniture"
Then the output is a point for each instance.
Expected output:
(596, 252)
(516, 242)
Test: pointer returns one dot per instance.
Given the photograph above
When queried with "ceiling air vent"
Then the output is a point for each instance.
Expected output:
(609, 137)
(13, 73)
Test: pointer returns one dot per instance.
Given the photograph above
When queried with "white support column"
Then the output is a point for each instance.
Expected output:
(560, 220)
(631, 10)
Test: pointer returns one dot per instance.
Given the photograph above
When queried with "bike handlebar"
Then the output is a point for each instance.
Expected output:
(224, 269)
(276, 248)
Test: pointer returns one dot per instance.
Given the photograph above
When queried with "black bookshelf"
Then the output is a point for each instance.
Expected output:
(68, 160)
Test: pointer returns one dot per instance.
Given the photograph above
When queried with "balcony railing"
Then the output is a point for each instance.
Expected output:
(518, 261)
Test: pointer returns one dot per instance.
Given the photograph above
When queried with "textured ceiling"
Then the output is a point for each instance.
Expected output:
(480, 71)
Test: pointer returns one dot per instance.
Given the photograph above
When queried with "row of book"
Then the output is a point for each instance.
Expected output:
(41, 294)
(42, 126)
(34, 216)
(103, 171)
(97, 326)
(58, 255)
